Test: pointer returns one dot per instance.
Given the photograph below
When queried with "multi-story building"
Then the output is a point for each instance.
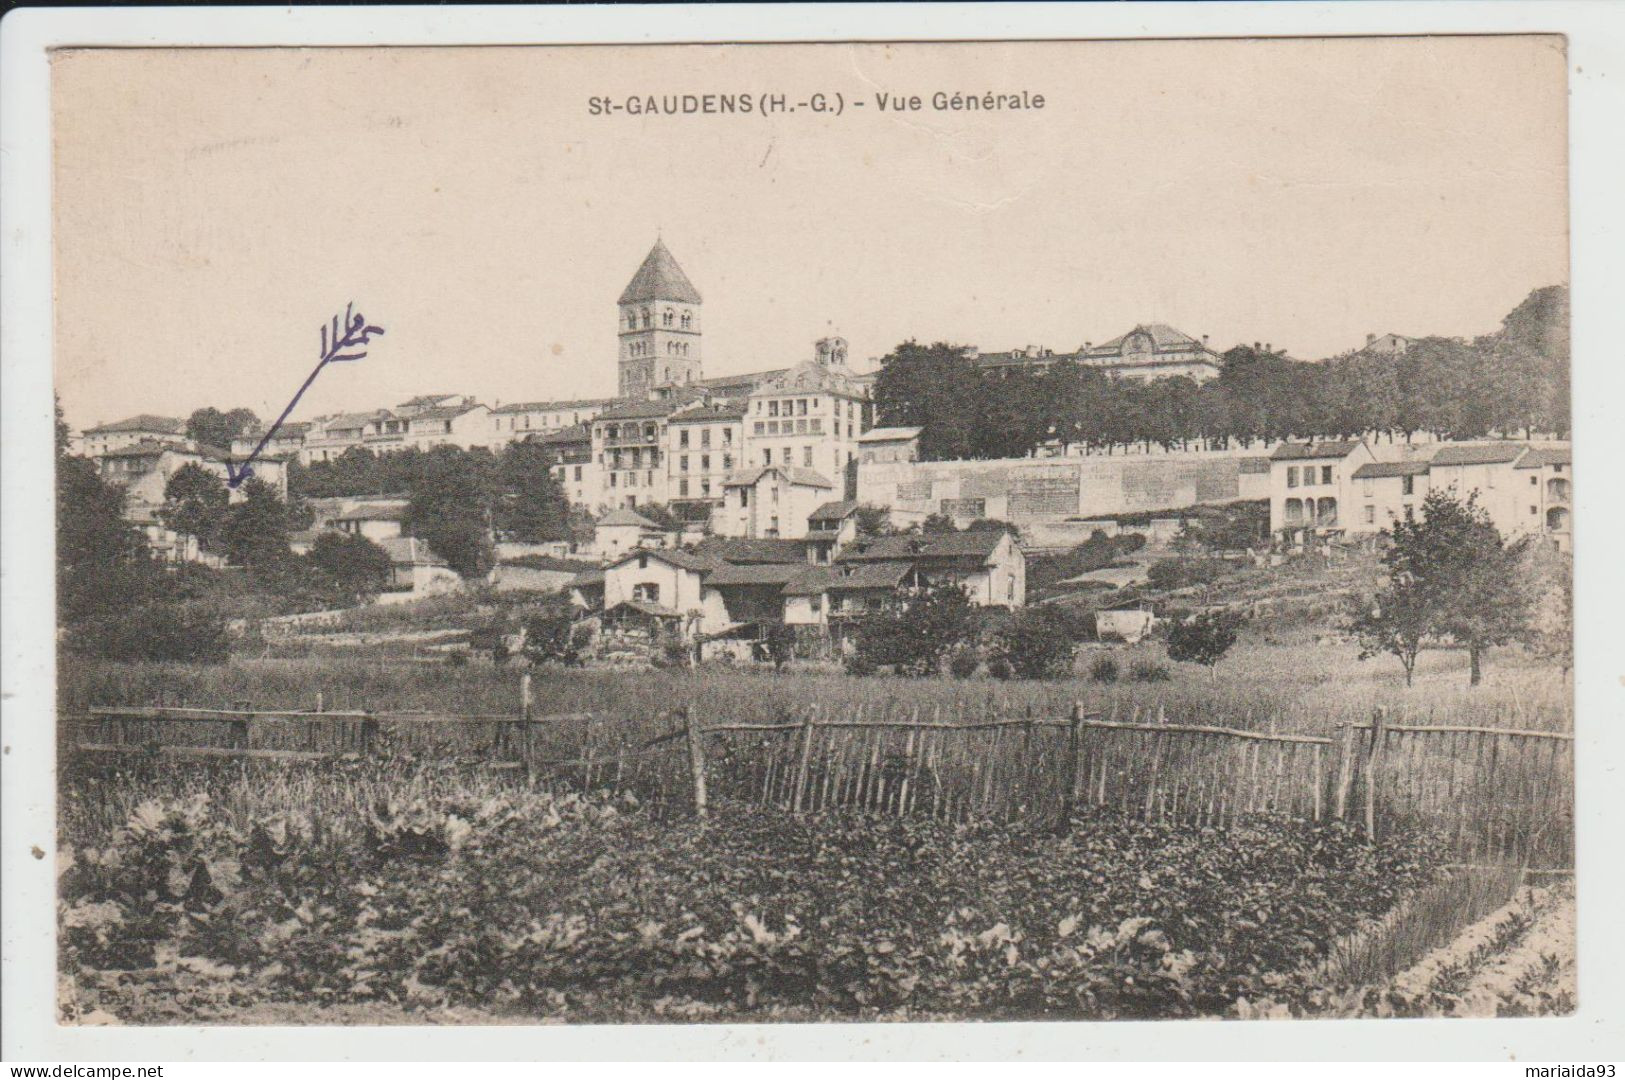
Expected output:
(517, 420)
(704, 445)
(1149, 351)
(629, 447)
(570, 455)
(96, 441)
(1339, 488)
(809, 417)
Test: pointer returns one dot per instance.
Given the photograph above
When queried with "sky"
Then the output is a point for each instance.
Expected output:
(214, 208)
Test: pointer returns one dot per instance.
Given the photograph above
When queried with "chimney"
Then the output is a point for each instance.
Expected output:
(1255, 346)
(1267, 347)
(1370, 338)
(1204, 341)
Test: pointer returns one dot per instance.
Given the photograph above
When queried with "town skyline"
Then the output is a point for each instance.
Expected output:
(504, 220)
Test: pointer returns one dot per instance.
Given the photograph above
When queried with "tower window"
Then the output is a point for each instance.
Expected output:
(666, 317)
(645, 318)
(687, 318)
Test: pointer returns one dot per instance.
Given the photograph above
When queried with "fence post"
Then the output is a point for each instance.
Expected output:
(239, 727)
(524, 721)
(1074, 751)
(318, 701)
(696, 761)
(1345, 770)
(1372, 758)
(804, 763)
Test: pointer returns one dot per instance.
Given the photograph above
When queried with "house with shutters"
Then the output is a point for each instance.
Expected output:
(1341, 489)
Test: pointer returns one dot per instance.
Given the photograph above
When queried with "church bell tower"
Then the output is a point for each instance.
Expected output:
(659, 327)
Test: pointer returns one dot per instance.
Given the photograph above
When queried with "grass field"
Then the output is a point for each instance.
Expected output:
(1291, 681)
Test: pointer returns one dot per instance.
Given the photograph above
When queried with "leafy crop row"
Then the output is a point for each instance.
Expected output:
(589, 908)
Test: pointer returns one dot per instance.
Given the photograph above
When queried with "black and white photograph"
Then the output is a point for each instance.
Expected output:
(813, 533)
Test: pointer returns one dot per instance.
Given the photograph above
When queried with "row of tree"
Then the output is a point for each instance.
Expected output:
(1514, 381)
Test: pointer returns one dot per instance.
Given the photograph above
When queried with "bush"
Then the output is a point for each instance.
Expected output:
(1000, 668)
(860, 665)
(1104, 669)
(963, 664)
(1184, 572)
(186, 631)
(1149, 671)
(1204, 639)
(913, 634)
(1036, 642)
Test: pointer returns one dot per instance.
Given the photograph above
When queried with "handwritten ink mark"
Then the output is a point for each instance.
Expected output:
(355, 338)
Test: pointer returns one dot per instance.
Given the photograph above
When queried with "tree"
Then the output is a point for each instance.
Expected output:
(1204, 639)
(212, 427)
(195, 503)
(873, 520)
(533, 505)
(358, 568)
(913, 632)
(103, 564)
(1036, 642)
(1549, 574)
(450, 507)
(1449, 575)
(255, 532)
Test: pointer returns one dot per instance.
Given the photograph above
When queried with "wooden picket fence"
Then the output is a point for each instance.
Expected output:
(1498, 795)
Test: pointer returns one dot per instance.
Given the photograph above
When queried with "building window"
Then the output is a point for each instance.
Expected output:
(682, 488)
(667, 316)
(816, 426)
(815, 604)
(767, 455)
(1532, 510)
(687, 318)
(578, 474)
(801, 406)
(1408, 485)
(1370, 514)
(647, 591)
(682, 463)
(1291, 476)
(1366, 487)
(727, 461)
(801, 427)
(705, 462)
(773, 408)
(806, 456)
(705, 487)
(727, 436)
(705, 438)
(1325, 474)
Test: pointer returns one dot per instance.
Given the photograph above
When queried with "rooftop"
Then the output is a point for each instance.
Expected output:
(890, 434)
(1479, 454)
(700, 413)
(739, 549)
(162, 425)
(550, 406)
(973, 543)
(1373, 469)
(1314, 451)
(624, 516)
(794, 473)
(660, 278)
(834, 511)
(1541, 457)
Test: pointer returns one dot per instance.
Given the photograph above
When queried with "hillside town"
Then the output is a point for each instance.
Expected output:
(709, 508)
